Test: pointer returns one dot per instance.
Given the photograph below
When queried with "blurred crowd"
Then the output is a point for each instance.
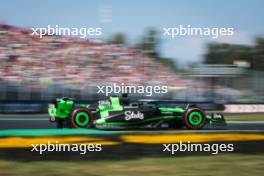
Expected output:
(34, 68)
(74, 62)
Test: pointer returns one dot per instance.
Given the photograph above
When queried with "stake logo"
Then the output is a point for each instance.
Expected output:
(133, 115)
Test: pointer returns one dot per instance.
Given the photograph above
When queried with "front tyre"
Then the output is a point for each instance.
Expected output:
(82, 118)
(194, 118)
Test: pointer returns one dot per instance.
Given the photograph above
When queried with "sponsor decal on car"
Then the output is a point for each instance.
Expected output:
(104, 103)
(217, 116)
(129, 115)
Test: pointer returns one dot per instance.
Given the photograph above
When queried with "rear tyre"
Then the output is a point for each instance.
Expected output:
(194, 118)
(82, 118)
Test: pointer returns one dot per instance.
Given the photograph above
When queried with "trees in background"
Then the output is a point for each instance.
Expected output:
(217, 53)
(118, 38)
(228, 53)
(148, 44)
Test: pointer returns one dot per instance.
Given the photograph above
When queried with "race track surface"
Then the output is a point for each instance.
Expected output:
(42, 122)
(19, 132)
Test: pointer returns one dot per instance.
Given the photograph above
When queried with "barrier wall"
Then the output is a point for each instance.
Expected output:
(244, 108)
(14, 107)
(17, 107)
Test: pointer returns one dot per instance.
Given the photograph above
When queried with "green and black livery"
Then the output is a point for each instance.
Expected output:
(120, 113)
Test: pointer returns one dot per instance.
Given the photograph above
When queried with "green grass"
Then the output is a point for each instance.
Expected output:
(245, 117)
(216, 165)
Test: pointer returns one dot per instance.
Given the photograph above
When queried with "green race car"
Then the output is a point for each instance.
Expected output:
(120, 113)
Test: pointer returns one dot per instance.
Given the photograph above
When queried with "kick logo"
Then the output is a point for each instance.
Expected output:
(133, 115)
(217, 116)
(104, 103)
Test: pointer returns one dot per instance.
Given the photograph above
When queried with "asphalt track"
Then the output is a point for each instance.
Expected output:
(19, 132)
(42, 122)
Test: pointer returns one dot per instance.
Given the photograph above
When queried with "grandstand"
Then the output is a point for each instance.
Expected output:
(51, 64)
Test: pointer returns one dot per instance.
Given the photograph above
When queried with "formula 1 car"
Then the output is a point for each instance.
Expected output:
(120, 113)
